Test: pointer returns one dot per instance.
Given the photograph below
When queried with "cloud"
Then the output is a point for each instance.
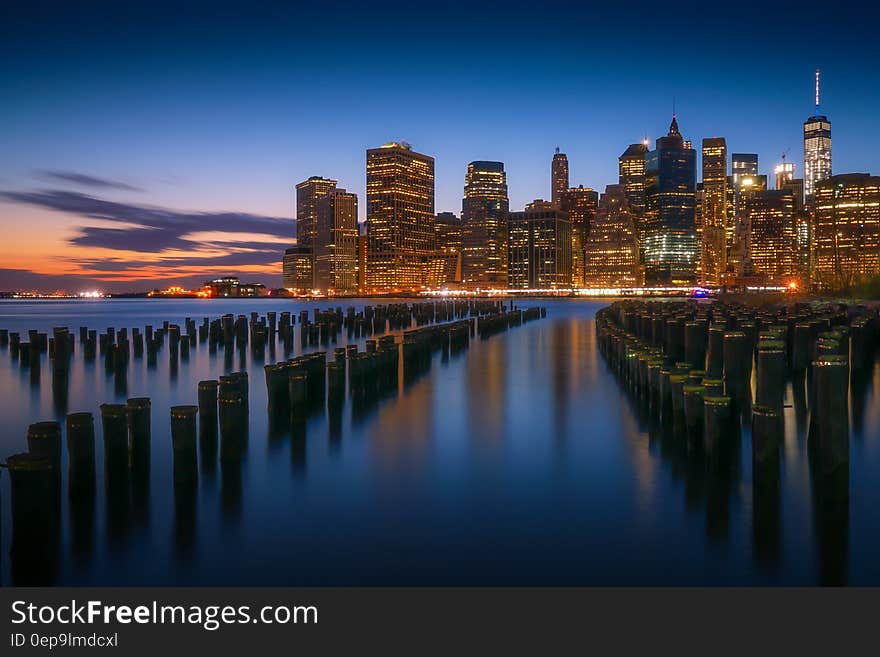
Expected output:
(155, 243)
(147, 228)
(86, 180)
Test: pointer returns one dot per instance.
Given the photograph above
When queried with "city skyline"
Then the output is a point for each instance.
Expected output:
(110, 187)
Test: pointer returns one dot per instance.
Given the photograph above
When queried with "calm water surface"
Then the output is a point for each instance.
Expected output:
(518, 461)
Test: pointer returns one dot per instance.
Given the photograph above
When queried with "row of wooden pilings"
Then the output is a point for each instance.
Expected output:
(295, 389)
(691, 364)
(118, 346)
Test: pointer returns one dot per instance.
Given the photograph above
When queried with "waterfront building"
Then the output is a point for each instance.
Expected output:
(773, 239)
(580, 203)
(817, 148)
(400, 217)
(231, 286)
(307, 194)
(539, 248)
(667, 234)
(484, 211)
(846, 234)
(558, 177)
(361, 259)
(298, 269)
(713, 211)
(631, 174)
(612, 249)
(335, 245)
(448, 232)
(738, 255)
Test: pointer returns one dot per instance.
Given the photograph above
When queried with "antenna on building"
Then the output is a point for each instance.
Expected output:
(817, 92)
(557, 150)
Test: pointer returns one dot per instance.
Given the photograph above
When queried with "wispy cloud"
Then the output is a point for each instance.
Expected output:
(86, 180)
(149, 242)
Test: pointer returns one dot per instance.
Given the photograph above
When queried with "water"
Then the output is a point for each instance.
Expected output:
(519, 461)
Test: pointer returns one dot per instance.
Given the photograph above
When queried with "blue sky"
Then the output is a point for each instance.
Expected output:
(216, 110)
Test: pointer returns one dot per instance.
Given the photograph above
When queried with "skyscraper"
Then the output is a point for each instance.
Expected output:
(667, 236)
(743, 164)
(558, 176)
(484, 210)
(773, 236)
(739, 248)
(335, 245)
(400, 216)
(539, 248)
(447, 228)
(612, 249)
(631, 167)
(580, 203)
(846, 234)
(784, 173)
(307, 194)
(714, 211)
(817, 148)
(298, 269)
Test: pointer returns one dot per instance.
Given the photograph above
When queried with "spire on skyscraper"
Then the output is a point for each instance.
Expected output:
(673, 127)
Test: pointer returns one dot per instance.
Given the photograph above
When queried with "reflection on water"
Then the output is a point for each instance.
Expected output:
(519, 460)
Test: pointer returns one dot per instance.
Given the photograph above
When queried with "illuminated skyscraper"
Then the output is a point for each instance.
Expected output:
(846, 235)
(362, 260)
(739, 249)
(631, 168)
(484, 211)
(743, 165)
(558, 177)
(539, 248)
(307, 194)
(714, 211)
(773, 236)
(298, 269)
(335, 245)
(667, 236)
(447, 228)
(784, 173)
(580, 203)
(612, 249)
(817, 148)
(400, 217)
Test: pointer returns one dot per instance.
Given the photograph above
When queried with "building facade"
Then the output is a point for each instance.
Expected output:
(400, 217)
(631, 170)
(335, 246)
(308, 193)
(713, 211)
(772, 221)
(580, 203)
(846, 233)
(612, 248)
(667, 233)
(539, 248)
(558, 176)
(484, 211)
(817, 152)
(448, 231)
(298, 270)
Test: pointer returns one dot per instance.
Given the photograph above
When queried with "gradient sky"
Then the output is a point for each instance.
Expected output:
(154, 144)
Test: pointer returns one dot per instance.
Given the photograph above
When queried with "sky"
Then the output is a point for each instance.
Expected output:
(147, 145)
